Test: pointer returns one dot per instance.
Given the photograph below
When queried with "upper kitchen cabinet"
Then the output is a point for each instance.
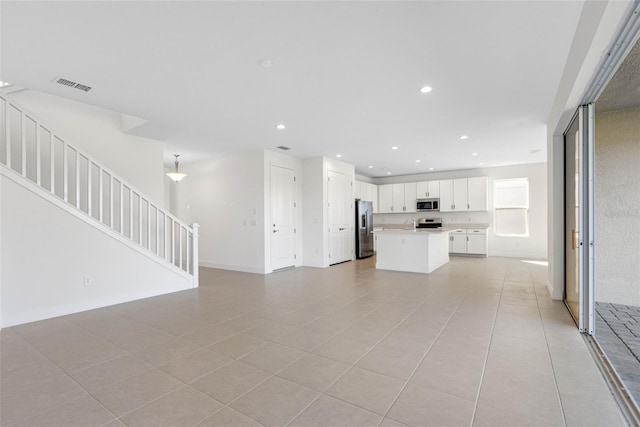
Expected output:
(446, 195)
(428, 189)
(460, 195)
(397, 198)
(385, 198)
(368, 192)
(464, 194)
(410, 196)
(404, 197)
(360, 190)
(478, 197)
(372, 195)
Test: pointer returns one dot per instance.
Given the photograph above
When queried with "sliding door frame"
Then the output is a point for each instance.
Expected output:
(586, 243)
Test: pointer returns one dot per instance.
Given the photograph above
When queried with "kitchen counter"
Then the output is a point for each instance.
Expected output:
(466, 225)
(417, 230)
(448, 227)
(417, 251)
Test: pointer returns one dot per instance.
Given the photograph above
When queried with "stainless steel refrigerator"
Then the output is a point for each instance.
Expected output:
(364, 229)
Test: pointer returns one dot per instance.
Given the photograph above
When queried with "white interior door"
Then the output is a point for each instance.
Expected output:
(341, 217)
(282, 217)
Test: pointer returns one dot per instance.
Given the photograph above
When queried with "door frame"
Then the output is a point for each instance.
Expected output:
(350, 216)
(294, 217)
(586, 244)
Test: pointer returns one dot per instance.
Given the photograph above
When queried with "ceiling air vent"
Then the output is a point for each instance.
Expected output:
(282, 147)
(70, 83)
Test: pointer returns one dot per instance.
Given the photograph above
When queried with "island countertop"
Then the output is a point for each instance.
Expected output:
(417, 230)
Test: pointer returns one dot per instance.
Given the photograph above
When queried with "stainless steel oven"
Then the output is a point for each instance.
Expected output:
(431, 205)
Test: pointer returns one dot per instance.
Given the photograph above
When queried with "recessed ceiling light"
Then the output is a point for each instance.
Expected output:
(430, 169)
(370, 167)
(394, 148)
(464, 137)
(426, 89)
(481, 164)
(338, 155)
(474, 154)
(3, 84)
(280, 126)
(265, 63)
(388, 173)
(418, 161)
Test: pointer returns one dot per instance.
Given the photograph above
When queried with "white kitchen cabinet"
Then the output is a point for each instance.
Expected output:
(359, 190)
(385, 198)
(398, 198)
(469, 241)
(366, 191)
(458, 242)
(410, 197)
(428, 189)
(477, 244)
(478, 198)
(464, 194)
(446, 195)
(460, 196)
(372, 195)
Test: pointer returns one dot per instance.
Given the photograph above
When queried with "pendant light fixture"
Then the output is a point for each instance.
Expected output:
(176, 175)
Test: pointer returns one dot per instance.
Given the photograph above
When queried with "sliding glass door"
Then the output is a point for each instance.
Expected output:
(578, 141)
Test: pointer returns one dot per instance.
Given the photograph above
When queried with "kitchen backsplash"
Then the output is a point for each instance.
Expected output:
(447, 217)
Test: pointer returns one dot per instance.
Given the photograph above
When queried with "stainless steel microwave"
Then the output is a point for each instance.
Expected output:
(428, 205)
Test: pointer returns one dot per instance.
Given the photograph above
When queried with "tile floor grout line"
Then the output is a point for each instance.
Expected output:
(351, 368)
(64, 373)
(553, 369)
(158, 398)
(486, 358)
(274, 375)
(354, 365)
(423, 358)
(126, 379)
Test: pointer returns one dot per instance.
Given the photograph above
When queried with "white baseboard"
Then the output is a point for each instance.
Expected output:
(239, 268)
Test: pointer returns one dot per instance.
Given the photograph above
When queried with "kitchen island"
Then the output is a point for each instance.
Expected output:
(416, 251)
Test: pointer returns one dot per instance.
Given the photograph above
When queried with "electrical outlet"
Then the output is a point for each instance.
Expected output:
(86, 281)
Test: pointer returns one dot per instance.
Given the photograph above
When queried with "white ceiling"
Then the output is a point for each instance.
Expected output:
(345, 77)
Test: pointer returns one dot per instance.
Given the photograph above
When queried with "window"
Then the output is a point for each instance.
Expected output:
(511, 204)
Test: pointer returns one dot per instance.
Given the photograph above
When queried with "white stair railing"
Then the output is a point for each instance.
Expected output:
(33, 151)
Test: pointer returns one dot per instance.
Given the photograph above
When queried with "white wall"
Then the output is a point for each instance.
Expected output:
(617, 207)
(46, 253)
(597, 26)
(226, 197)
(97, 132)
(231, 200)
(533, 246)
(314, 221)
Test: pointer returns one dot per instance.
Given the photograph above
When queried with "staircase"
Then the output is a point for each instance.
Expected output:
(36, 158)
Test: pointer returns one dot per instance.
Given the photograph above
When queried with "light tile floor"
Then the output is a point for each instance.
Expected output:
(478, 342)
